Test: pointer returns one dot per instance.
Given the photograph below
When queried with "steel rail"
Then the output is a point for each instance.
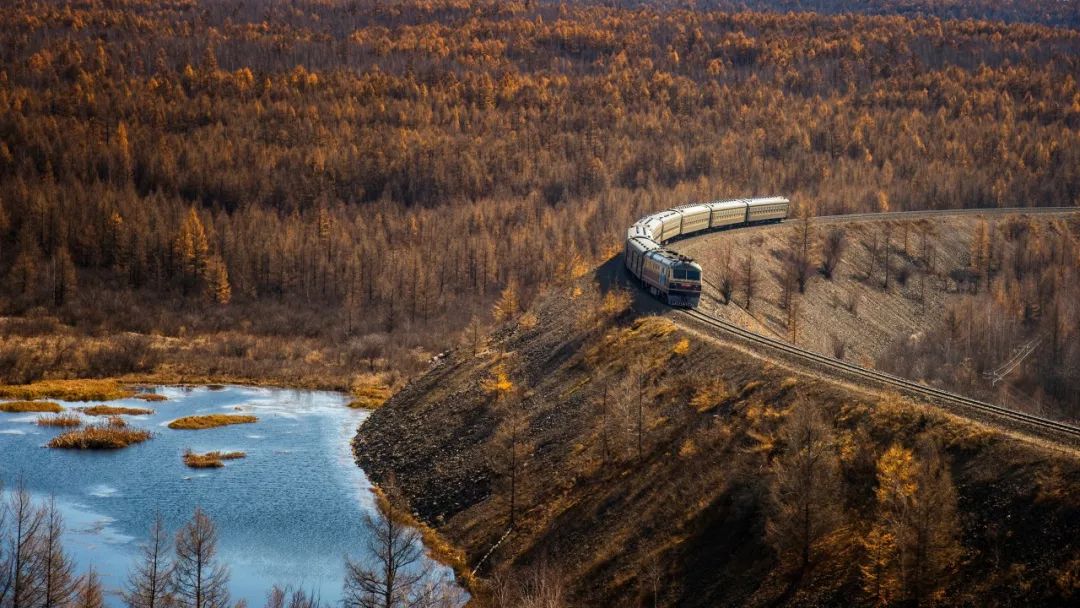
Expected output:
(900, 215)
(1057, 430)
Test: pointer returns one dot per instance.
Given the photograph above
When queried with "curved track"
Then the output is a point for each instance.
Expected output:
(1059, 432)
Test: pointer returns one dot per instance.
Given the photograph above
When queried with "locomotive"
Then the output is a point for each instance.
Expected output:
(675, 278)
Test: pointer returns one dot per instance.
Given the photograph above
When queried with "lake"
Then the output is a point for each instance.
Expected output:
(289, 513)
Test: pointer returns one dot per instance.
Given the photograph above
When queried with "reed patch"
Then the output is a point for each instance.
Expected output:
(60, 420)
(15, 407)
(209, 421)
(210, 460)
(115, 410)
(102, 436)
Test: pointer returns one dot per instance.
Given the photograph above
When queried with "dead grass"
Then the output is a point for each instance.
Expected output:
(15, 407)
(100, 437)
(62, 420)
(210, 460)
(67, 390)
(151, 397)
(209, 421)
(369, 394)
(21, 406)
(115, 410)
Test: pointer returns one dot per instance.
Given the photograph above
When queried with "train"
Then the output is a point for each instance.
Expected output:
(675, 278)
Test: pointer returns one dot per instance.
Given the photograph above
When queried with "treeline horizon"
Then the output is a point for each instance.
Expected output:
(198, 166)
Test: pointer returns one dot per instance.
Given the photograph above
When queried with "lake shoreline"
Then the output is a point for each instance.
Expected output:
(308, 432)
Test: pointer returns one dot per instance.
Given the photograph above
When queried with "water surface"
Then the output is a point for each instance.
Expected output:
(286, 514)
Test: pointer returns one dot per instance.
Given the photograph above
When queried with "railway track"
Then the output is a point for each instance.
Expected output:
(908, 215)
(1059, 432)
(1053, 430)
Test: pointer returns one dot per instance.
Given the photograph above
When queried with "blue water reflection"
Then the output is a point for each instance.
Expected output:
(287, 514)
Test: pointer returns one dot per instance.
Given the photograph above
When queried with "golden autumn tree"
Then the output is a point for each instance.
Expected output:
(508, 305)
(913, 543)
(217, 285)
(192, 249)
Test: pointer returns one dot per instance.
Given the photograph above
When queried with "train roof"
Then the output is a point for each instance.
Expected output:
(671, 258)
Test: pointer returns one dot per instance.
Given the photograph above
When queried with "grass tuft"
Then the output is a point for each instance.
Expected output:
(68, 390)
(15, 407)
(62, 420)
(209, 421)
(210, 460)
(151, 397)
(115, 410)
(100, 437)
(369, 395)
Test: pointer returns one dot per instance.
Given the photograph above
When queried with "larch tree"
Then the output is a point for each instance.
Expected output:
(64, 277)
(914, 541)
(192, 248)
(149, 583)
(89, 593)
(57, 579)
(218, 289)
(198, 580)
(507, 456)
(386, 576)
(935, 548)
(805, 491)
(23, 567)
(508, 305)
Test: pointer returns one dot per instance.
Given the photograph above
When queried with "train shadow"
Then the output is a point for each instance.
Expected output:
(612, 274)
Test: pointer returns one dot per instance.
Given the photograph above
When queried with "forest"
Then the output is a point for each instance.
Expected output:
(354, 179)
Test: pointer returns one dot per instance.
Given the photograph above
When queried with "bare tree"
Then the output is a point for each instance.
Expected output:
(386, 576)
(832, 252)
(198, 580)
(800, 253)
(57, 579)
(150, 581)
(287, 597)
(805, 489)
(24, 588)
(509, 456)
(748, 277)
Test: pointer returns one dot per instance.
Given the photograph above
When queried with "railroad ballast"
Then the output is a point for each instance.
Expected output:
(675, 278)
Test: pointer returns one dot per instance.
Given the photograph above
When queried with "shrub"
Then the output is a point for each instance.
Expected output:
(62, 420)
(30, 406)
(209, 421)
(114, 410)
(100, 437)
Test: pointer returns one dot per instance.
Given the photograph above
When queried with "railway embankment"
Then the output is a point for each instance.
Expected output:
(638, 459)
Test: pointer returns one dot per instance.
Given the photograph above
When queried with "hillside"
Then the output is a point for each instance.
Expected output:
(964, 293)
(554, 397)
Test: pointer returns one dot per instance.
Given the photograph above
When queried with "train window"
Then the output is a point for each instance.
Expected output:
(693, 275)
